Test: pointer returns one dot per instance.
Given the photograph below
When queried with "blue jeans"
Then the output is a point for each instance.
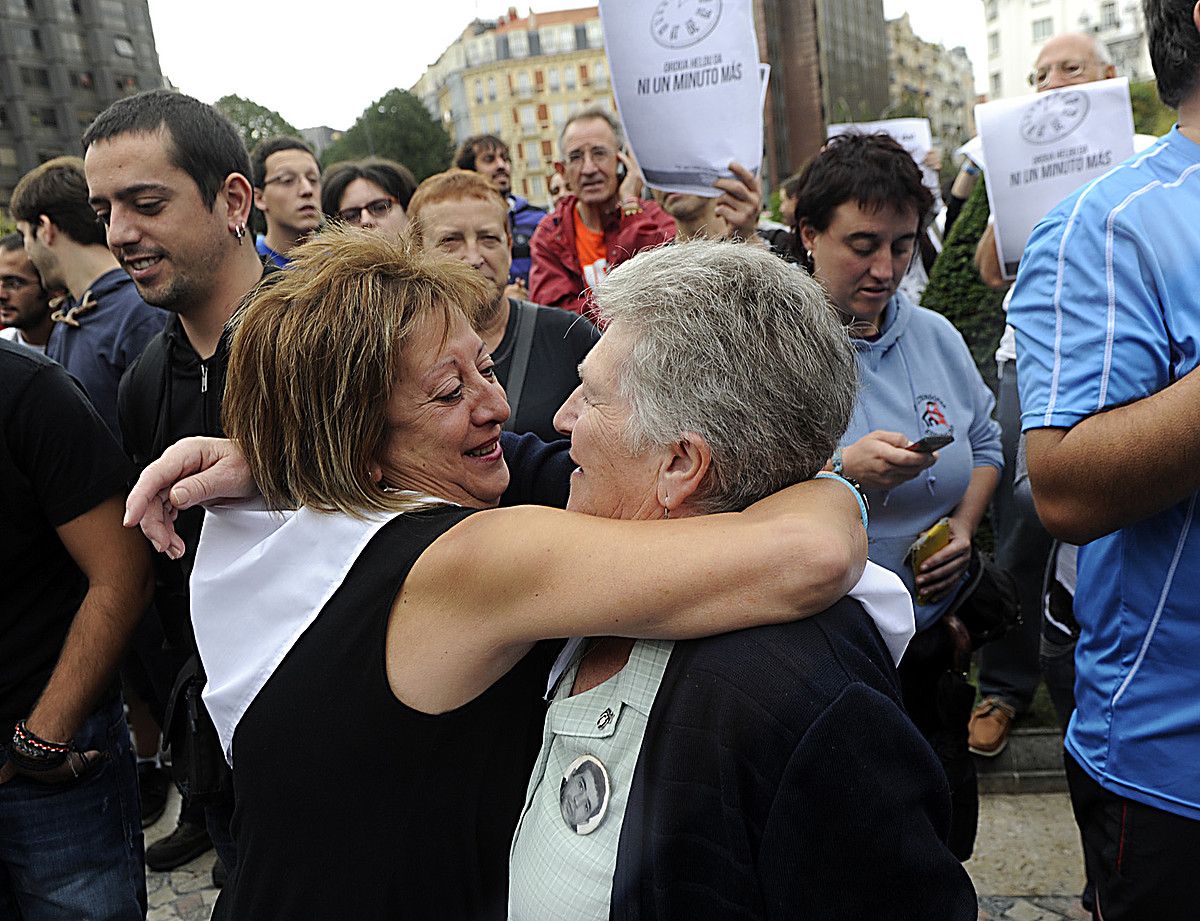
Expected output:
(75, 851)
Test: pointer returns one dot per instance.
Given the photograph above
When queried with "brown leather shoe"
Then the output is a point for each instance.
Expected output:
(987, 733)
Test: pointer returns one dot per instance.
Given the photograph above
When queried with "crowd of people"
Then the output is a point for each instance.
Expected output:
(618, 560)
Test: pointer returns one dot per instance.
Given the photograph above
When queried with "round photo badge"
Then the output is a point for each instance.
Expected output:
(584, 794)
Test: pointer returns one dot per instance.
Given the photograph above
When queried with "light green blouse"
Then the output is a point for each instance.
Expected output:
(554, 871)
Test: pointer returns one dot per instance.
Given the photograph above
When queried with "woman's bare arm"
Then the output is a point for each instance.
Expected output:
(505, 578)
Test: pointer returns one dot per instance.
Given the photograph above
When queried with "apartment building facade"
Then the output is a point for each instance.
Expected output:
(61, 63)
(934, 81)
(520, 78)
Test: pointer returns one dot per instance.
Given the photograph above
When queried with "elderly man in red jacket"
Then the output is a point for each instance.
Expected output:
(602, 223)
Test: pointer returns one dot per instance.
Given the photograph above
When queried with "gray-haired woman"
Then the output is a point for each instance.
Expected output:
(754, 770)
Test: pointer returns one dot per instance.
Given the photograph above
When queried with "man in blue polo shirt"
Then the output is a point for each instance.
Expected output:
(103, 324)
(1107, 313)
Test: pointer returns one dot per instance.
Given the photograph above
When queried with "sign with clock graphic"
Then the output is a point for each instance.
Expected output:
(688, 86)
(1041, 148)
(682, 23)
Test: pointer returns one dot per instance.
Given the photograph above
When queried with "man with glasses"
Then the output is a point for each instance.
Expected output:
(287, 190)
(487, 154)
(102, 325)
(602, 223)
(1009, 672)
(24, 304)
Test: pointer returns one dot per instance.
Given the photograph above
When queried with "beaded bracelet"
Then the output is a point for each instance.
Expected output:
(30, 753)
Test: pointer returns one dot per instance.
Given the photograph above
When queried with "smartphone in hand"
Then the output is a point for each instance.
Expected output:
(930, 443)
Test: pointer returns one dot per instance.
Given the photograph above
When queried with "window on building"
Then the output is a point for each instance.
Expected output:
(994, 85)
(66, 10)
(518, 44)
(18, 9)
(491, 89)
(3, 117)
(600, 73)
(478, 92)
(45, 116)
(113, 13)
(569, 77)
(595, 34)
(82, 80)
(8, 157)
(558, 114)
(495, 123)
(1043, 29)
(26, 39)
(123, 46)
(72, 42)
(547, 149)
(85, 117)
(536, 190)
(993, 44)
(1108, 15)
(543, 114)
(552, 80)
(35, 76)
(126, 83)
(524, 87)
(528, 118)
(549, 40)
(566, 38)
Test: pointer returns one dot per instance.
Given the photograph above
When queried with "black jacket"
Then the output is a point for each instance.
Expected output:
(781, 779)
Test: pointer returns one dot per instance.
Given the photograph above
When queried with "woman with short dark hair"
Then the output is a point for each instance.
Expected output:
(921, 440)
(372, 193)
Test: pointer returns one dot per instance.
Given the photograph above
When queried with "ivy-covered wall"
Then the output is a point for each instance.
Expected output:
(956, 291)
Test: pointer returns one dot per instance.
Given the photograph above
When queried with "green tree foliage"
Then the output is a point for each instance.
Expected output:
(254, 122)
(397, 127)
(1150, 116)
(956, 291)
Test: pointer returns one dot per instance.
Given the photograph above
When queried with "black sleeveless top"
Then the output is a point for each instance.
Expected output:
(351, 805)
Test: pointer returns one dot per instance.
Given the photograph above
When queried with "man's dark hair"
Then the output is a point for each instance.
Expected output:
(11, 242)
(394, 178)
(473, 146)
(203, 142)
(869, 169)
(58, 189)
(264, 149)
(1174, 48)
(791, 185)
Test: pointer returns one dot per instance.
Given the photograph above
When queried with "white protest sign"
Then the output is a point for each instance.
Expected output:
(686, 77)
(913, 134)
(1041, 148)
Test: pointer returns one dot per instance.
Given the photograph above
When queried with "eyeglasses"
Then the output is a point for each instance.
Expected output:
(599, 155)
(1071, 70)
(14, 283)
(287, 180)
(377, 209)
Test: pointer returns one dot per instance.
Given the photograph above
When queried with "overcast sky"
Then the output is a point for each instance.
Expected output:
(323, 63)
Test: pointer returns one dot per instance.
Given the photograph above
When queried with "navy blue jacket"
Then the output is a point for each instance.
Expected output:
(780, 778)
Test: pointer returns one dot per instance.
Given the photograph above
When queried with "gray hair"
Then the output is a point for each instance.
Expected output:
(734, 344)
(589, 113)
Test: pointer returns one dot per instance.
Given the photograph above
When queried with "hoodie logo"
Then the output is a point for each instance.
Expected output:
(931, 410)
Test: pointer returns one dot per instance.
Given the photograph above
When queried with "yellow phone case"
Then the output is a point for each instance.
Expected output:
(925, 546)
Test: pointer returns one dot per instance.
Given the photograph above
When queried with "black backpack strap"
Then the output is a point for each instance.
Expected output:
(526, 321)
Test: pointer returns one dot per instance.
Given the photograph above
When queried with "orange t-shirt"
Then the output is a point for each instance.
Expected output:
(593, 255)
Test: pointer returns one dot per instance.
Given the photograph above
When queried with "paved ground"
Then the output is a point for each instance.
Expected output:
(1026, 866)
